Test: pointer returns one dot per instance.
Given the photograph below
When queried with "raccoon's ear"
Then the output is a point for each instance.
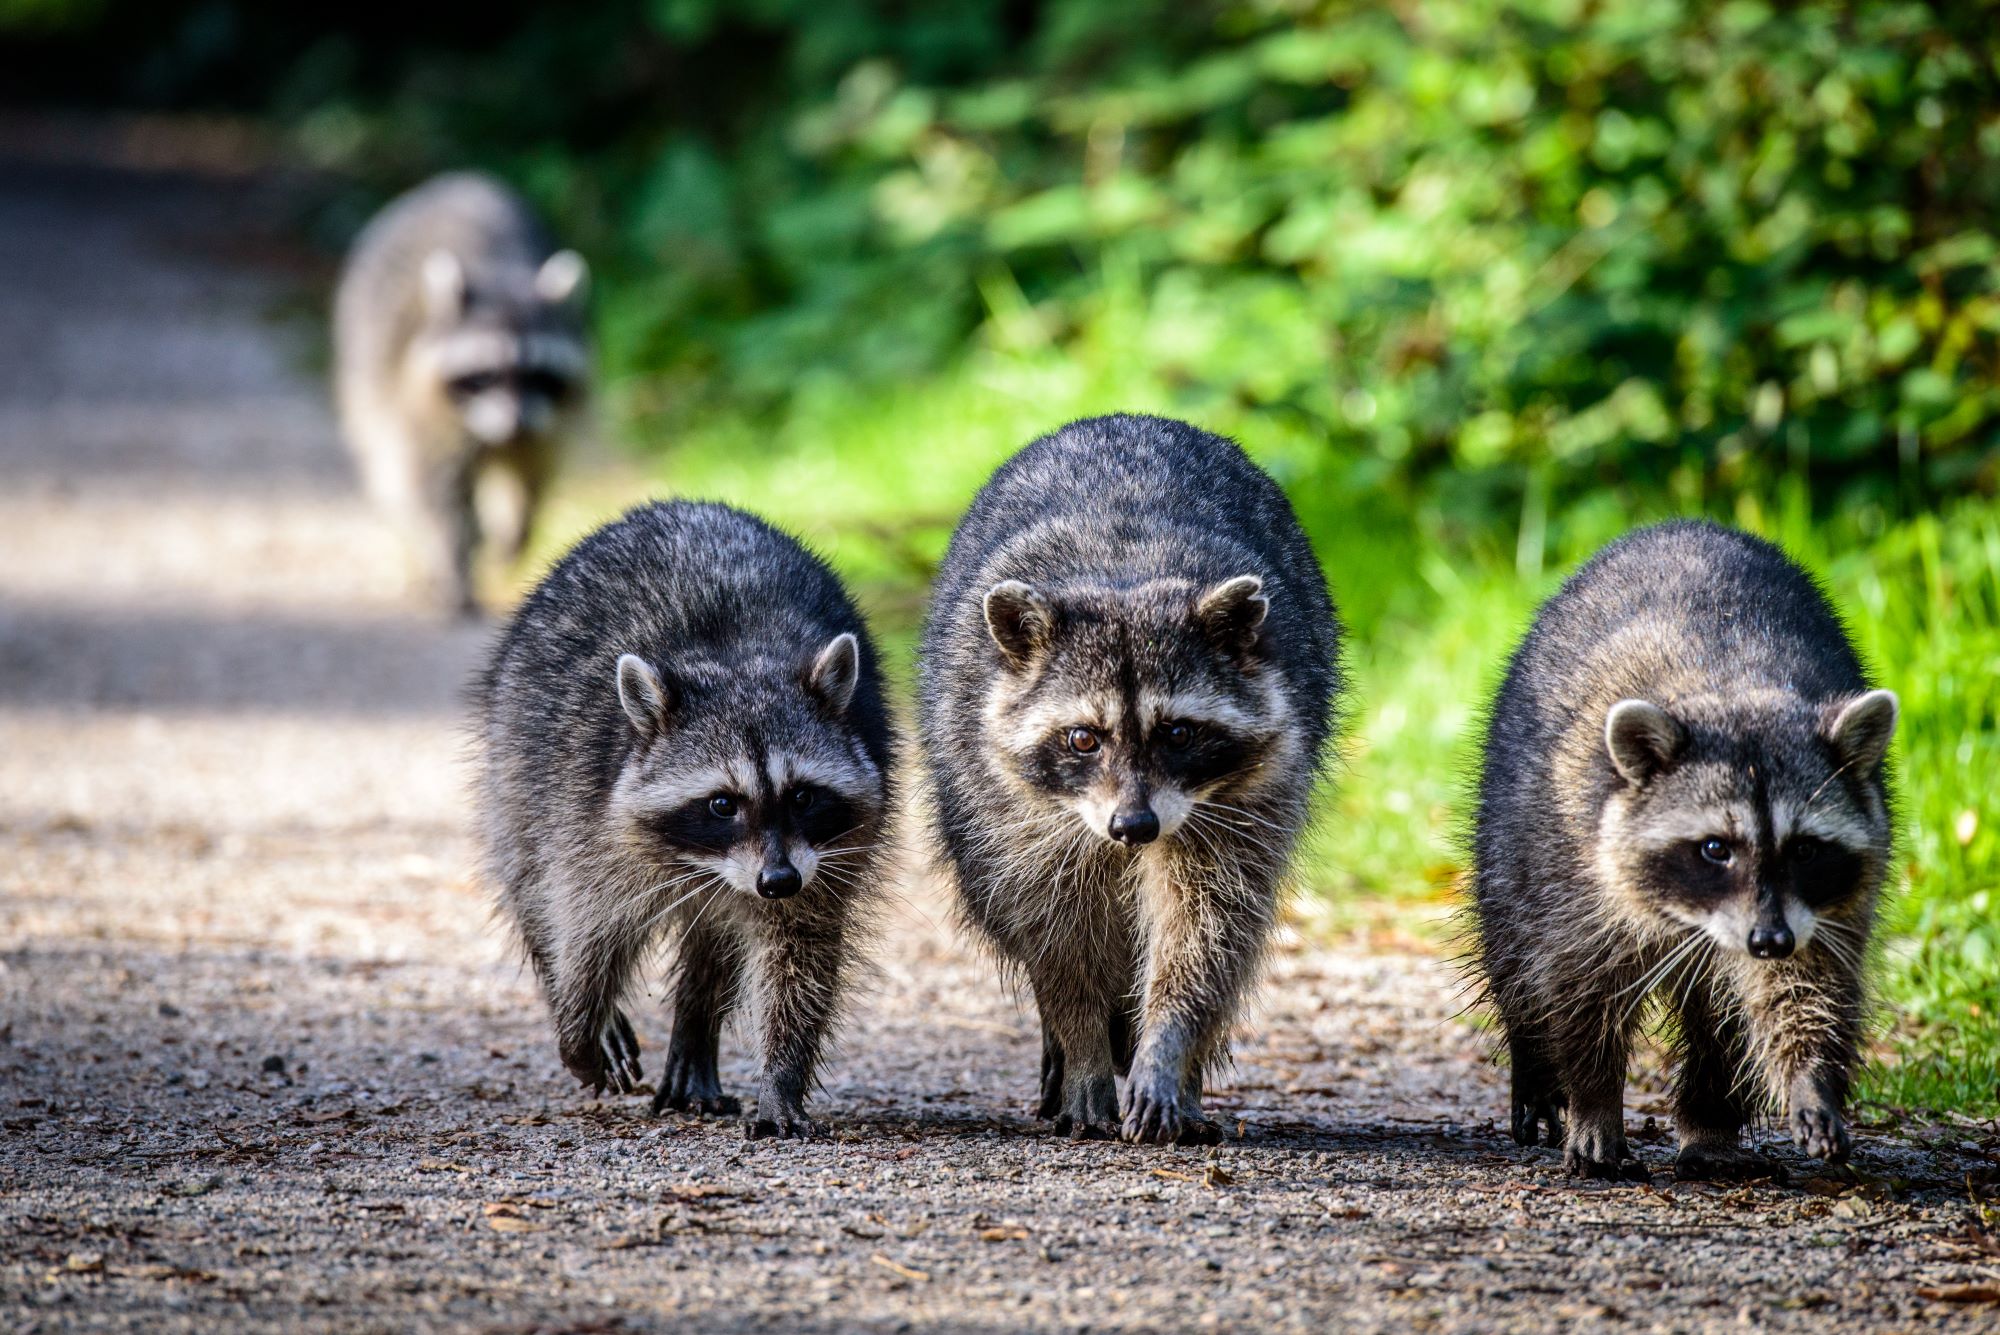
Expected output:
(444, 285)
(836, 672)
(1643, 739)
(1020, 620)
(1860, 729)
(643, 695)
(1231, 613)
(563, 277)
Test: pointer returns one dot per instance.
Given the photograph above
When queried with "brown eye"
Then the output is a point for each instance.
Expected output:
(1083, 741)
(1716, 851)
(1805, 850)
(1178, 734)
(722, 806)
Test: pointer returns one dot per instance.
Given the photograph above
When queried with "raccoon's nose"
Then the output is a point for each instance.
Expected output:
(780, 880)
(1771, 943)
(1133, 828)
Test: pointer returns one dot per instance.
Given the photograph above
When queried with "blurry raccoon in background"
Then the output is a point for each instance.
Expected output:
(461, 361)
(1127, 686)
(1683, 793)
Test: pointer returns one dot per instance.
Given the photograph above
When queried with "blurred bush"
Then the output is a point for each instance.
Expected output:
(1507, 249)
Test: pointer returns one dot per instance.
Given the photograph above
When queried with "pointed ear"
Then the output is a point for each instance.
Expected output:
(563, 277)
(1643, 739)
(1232, 612)
(444, 285)
(1859, 730)
(836, 672)
(643, 695)
(1020, 620)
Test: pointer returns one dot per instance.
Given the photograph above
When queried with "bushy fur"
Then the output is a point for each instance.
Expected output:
(686, 653)
(461, 363)
(1683, 793)
(1126, 577)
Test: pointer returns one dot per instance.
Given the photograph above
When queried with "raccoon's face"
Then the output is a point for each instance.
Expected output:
(1760, 821)
(1142, 710)
(504, 356)
(735, 779)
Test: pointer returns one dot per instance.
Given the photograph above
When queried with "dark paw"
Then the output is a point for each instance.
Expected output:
(1602, 1156)
(1198, 1130)
(1086, 1128)
(1624, 1168)
(701, 1105)
(1723, 1163)
(1530, 1118)
(1821, 1132)
(689, 1085)
(609, 1060)
(1152, 1116)
(782, 1124)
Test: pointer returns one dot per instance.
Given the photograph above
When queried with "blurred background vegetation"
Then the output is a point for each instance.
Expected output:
(1483, 282)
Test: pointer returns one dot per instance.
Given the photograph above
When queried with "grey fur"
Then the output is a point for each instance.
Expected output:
(461, 363)
(1689, 683)
(1124, 573)
(684, 652)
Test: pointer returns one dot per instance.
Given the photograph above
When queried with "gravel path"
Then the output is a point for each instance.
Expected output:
(264, 1062)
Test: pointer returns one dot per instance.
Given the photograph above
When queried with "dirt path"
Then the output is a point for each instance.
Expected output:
(263, 1063)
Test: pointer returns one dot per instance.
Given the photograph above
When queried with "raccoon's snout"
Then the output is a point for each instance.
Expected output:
(1771, 941)
(1134, 827)
(779, 880)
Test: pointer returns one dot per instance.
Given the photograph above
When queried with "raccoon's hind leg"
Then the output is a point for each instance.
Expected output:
(707, 976)
(1590, 1047)
(1537, 1090)
(1709, 1108)
(1073, 995)
(1122, 1025)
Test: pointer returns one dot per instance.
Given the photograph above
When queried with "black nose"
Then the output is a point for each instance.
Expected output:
(780, 880)
(1135, 827)
(1771, 943)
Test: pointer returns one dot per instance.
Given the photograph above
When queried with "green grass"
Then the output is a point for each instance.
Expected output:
(877, 481)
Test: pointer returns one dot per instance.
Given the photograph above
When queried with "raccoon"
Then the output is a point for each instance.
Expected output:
(1683, 795)
(1127, 685)
(684, 740)
(461, 361)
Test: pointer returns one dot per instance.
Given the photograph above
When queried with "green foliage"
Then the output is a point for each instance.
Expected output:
(1538, 246)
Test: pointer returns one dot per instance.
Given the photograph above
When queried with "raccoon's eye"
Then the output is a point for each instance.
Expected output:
(1716, 851)
(803, 798)
(722, 806)
(1804, 849)
(478, 383)
(1178, 734)
(1083, 741)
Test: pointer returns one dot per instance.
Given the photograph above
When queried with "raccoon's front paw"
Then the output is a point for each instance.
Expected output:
(1156, 1115)
(1821, 1132)
(690, 1085)
(1602, 1155)
(608, 1059)
(1713, 1162)
(784, 1121)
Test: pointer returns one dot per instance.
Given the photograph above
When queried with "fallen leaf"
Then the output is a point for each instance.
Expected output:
(1003, 1234)
(1171, 1176)
(84, 1263)
(1963, 1293)
(510, 1223)
(1215, 1175)
(921, 1276)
